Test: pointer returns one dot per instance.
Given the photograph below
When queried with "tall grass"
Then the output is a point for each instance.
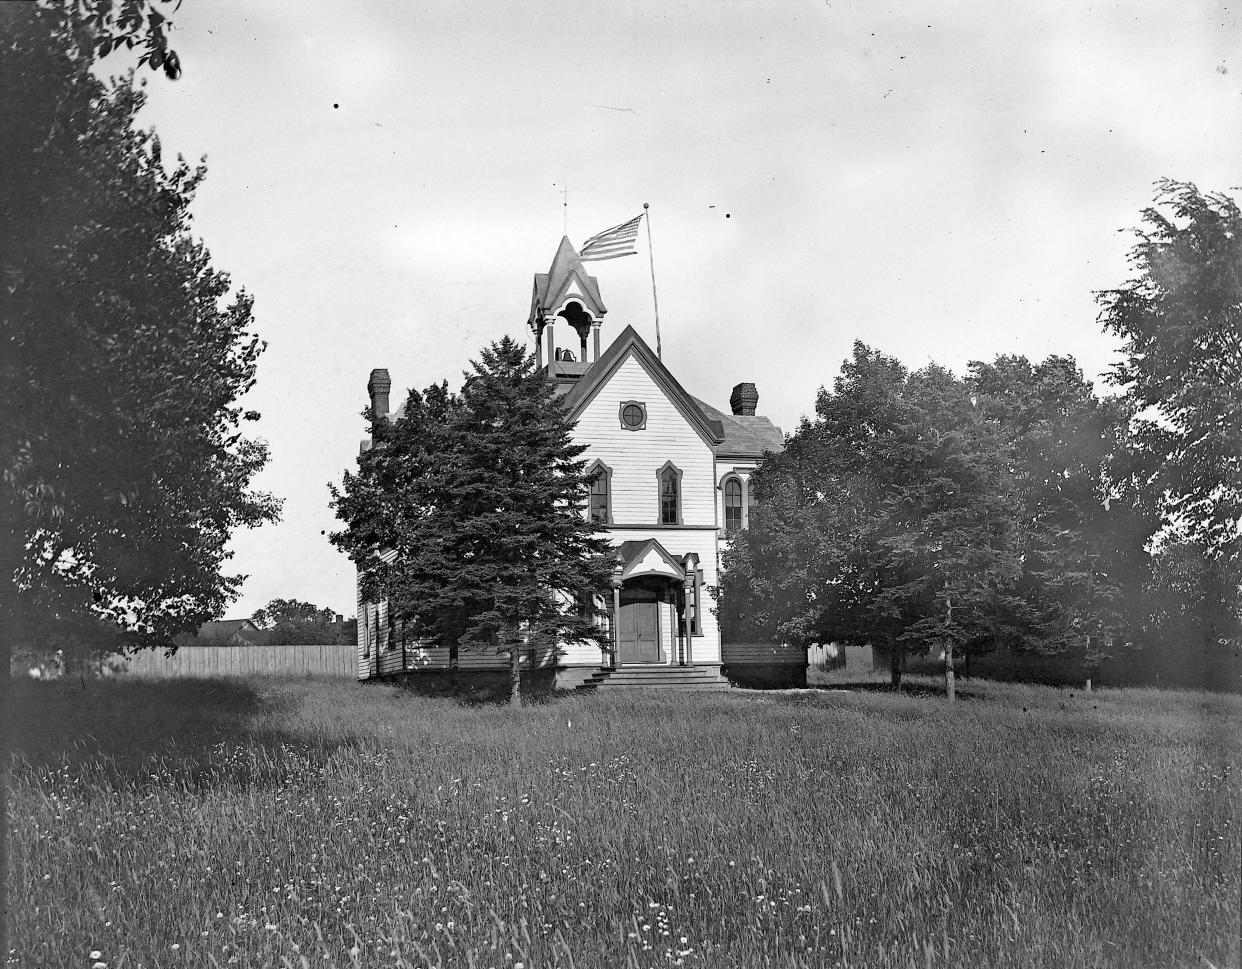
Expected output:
(314, 823)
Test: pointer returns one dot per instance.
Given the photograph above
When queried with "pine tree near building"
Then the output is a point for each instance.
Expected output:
(467, 516)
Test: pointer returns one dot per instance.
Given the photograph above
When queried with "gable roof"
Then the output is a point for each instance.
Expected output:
(552, 287)
(235, 632)
(744, 435)
(629, 343)
(226, 627)
(648, 557)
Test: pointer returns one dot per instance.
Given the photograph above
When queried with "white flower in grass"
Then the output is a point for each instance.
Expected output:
(95, 954)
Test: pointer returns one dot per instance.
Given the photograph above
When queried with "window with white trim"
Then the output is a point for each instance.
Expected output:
(600, 508)
(670, 494)
(733, 505)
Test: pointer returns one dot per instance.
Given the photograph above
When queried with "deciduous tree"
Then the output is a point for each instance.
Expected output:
(1081, 524)
(123, 467)
(923, 511)
(1180, 322)
(293, 622)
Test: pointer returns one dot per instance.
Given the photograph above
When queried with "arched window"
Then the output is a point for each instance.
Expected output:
(601, 493)
(732, 505)
(670, 494)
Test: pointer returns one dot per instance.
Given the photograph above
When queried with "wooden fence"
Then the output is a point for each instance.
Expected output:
(337, 659)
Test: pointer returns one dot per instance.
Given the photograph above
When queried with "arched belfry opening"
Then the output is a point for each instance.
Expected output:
(565, 310)
(581, 321)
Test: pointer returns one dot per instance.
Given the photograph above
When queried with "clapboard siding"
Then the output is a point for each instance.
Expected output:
(334, 659)
(762, 654)
(636, 456)
(418, 658)
(581, 654)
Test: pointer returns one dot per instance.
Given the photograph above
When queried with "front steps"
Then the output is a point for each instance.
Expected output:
(697, 679)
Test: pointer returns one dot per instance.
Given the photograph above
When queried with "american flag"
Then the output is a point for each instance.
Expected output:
(612, 243)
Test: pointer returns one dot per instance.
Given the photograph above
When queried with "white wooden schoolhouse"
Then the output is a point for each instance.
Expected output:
(672, 486)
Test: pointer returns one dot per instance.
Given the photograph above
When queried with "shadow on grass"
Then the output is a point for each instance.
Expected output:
(214, 731)
(908, 688)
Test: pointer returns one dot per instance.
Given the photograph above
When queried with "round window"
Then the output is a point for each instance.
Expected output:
(632, 415)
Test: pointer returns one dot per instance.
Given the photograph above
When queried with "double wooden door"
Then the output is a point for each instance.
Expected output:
(639, 632)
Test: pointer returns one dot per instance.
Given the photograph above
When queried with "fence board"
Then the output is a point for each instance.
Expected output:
(208, 661)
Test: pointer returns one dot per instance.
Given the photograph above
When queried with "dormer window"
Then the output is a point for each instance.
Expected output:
(733, 505)
(633, 415)
(670, 494)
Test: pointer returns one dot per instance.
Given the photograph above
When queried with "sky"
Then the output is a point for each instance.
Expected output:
(943, 181)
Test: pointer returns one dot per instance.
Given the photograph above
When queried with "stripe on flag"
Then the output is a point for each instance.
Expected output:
(612, 243)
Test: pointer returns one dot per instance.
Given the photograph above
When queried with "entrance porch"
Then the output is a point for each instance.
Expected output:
(654, 600)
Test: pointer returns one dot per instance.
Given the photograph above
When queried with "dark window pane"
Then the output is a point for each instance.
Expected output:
(733, 505)
(599, 497)
(668, 497)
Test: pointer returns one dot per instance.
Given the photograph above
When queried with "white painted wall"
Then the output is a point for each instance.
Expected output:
(636, 456)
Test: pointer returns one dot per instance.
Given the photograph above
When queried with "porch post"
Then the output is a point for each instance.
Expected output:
(616, 626)
(685, 619)
(618, 566)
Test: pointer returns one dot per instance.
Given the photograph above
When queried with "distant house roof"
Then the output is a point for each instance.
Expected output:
(744, 435)
(237, 632)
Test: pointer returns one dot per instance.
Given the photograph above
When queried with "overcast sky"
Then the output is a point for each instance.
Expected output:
(943, 181)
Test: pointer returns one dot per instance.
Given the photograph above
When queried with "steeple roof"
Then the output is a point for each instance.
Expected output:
(565, 279)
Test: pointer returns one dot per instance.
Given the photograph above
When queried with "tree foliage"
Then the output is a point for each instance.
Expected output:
(124, 466)
(920, 511)
(466, 515)
(293, 622)
(1180, 322)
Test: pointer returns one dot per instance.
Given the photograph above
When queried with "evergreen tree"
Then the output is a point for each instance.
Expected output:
(480, 497)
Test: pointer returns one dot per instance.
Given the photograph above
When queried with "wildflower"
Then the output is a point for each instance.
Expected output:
(175, 946)
(96, 954)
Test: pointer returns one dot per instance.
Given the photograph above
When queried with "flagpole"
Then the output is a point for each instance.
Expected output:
(655, 302)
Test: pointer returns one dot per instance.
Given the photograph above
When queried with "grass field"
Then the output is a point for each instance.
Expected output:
(317, 823)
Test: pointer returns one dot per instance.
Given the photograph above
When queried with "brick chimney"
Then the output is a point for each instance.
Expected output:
(378, 387)
(744, 400)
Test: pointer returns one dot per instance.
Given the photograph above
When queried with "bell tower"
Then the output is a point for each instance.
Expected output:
(566, 299)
